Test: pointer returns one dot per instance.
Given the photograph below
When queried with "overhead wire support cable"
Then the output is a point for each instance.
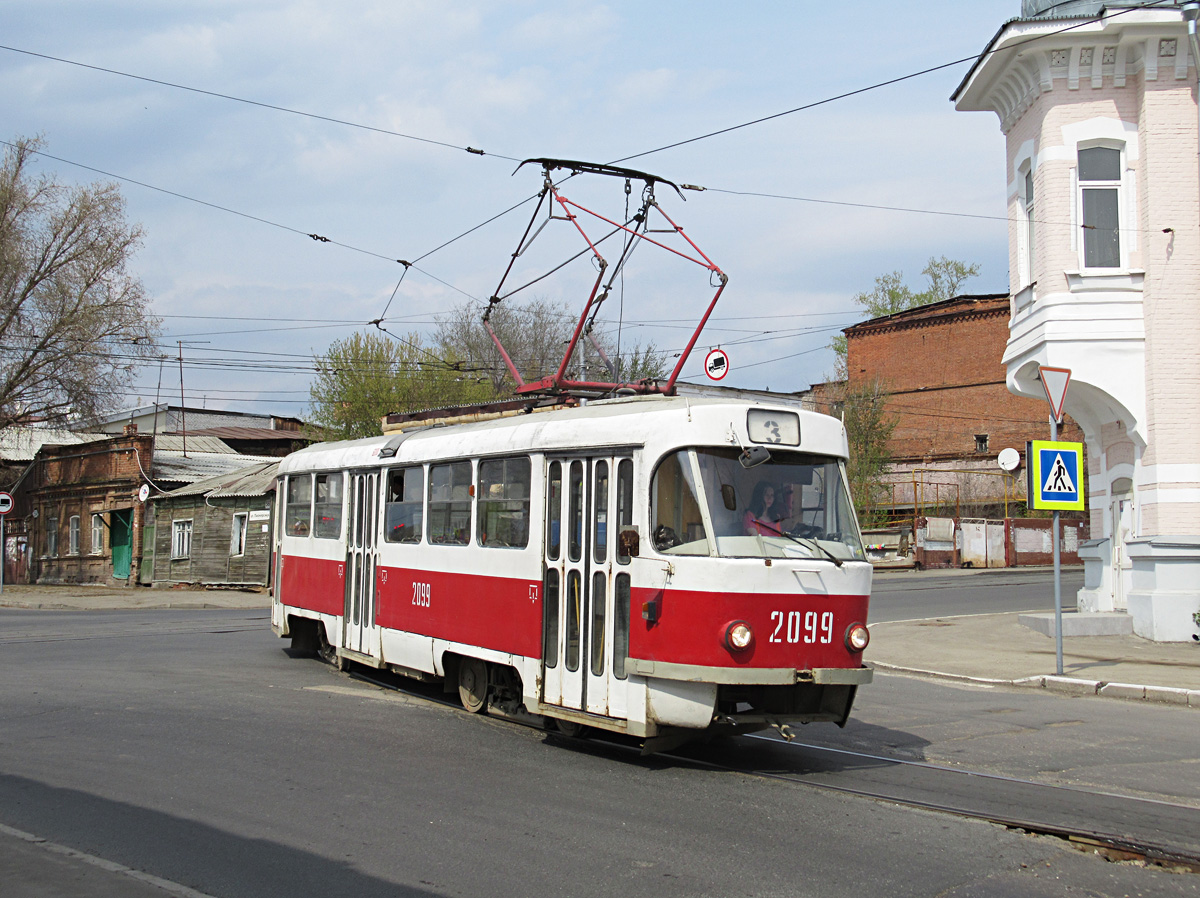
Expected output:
(258, 103)
(1150, 4)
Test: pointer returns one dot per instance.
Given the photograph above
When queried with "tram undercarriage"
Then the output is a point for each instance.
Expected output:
(497, 689)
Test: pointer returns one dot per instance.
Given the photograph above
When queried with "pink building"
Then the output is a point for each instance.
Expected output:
(1098, 104)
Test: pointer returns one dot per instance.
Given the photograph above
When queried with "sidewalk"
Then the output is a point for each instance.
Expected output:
(995, 649)
(87, 597)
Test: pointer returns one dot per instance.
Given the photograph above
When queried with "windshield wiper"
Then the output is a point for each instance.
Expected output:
(803, 541)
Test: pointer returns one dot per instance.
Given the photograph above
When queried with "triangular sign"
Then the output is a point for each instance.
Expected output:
(1055, 381)
(1058, 480)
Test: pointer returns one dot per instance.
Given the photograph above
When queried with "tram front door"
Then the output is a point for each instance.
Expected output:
(358, 630)
(585, 598)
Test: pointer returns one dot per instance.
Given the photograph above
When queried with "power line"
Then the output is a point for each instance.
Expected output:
(891, 81)
(261, 105)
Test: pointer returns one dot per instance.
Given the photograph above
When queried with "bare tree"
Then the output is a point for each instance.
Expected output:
(74, 323)
(536, 335)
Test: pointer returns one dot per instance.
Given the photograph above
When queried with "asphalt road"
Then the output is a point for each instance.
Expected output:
(189, 745)
(913, 595)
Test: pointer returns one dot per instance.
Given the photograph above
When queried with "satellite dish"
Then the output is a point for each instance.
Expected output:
(1009, 459)
(144, 492)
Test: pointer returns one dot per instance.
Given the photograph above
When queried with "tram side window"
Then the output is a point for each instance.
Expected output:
(676, 524)
(554, 511)
(624, 503)
(450, 503)
(621, 601)
(299, 505)
(329, 506)
(504, 502)
(405, 505)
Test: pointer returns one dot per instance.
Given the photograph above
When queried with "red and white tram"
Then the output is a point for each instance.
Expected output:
(650, 565)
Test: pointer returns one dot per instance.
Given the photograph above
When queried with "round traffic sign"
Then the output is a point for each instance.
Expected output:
(6, 503)
(716, 364)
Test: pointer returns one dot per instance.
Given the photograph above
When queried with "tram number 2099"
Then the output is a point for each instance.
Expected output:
(814, 627)
(421, 594)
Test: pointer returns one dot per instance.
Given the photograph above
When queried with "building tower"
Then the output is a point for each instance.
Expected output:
(1098, 104)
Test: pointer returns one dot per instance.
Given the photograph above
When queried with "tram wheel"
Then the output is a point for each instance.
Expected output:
(325, 651)
(570, 728)
(473, 684)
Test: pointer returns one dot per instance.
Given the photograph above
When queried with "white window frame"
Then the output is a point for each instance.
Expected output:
(1118, 185)
(1028, 229)
(73, 535)
(181, 539)
(97, 545)
(237, 536)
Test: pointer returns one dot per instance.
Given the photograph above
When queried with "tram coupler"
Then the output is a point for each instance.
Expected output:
(784, 730)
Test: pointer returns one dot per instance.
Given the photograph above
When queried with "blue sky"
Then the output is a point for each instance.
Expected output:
(516, 79)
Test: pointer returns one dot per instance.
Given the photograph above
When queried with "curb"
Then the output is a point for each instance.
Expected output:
(1188, 698)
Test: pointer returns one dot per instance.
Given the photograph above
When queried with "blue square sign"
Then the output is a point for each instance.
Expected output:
(1055, 476)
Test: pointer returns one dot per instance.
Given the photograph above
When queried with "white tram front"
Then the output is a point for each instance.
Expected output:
(648, 565)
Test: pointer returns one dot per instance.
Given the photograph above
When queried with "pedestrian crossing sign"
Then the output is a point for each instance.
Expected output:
(1054, 475)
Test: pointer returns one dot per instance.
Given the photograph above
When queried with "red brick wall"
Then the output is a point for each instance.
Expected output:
(942, 366)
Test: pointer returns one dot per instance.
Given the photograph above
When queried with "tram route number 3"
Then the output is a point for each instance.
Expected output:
(816, 628)
(421, 594)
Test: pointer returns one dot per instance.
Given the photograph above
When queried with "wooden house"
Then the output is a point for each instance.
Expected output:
(216, 531)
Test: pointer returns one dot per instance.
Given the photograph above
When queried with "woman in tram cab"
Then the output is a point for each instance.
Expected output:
(759, 517)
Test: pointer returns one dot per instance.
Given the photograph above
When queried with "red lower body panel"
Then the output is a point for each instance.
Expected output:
(499, 613)
(790, 630)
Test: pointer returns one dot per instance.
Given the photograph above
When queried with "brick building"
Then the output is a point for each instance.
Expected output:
(941, 366)
(1097, 104)
(87, 515)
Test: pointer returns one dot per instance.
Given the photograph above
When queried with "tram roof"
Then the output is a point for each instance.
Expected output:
(624, 422)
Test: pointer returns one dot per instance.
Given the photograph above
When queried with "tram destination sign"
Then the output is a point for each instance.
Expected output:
(1055, 475)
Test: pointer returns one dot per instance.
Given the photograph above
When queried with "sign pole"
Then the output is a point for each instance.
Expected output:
(1058, 626)
(3, 553)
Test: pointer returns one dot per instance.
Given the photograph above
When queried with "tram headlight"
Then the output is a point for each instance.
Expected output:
(857, 637)
(738, 636)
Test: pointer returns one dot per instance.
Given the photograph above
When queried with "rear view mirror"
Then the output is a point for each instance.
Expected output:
(629, 542)
(729, 497)
(754, 456)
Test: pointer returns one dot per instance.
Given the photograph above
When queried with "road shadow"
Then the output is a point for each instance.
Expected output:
(193, 854)
(811, 752)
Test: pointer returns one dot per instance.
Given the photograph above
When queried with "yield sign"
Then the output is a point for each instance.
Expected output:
(1055, 381)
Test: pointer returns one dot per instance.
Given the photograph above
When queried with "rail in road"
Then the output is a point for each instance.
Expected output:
(1121, 826)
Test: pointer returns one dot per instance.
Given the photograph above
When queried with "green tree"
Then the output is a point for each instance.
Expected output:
(74, 322)
(368, 375)
(868, 430)
(944, 278)
(535, 336)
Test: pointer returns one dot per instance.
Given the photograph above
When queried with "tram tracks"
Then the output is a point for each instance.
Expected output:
(1118, 826)
(1121, 827)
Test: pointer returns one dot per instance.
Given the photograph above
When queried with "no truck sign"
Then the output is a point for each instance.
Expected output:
(6, 503)
(716, 364)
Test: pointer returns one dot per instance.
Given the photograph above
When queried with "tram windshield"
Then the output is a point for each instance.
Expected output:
(794, 505)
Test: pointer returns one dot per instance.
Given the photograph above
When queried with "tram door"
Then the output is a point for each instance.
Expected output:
(585, 640)
(359, 620)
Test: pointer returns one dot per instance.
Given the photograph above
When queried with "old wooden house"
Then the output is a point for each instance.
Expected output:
(216, 531)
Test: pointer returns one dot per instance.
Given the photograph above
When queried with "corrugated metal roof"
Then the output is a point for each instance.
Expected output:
(20, 444)
(255, 480)
(249, 433)
(175, 467)
(173, 442)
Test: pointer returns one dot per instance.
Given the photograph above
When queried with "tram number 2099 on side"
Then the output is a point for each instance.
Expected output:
(421, 594)
(816, 627)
